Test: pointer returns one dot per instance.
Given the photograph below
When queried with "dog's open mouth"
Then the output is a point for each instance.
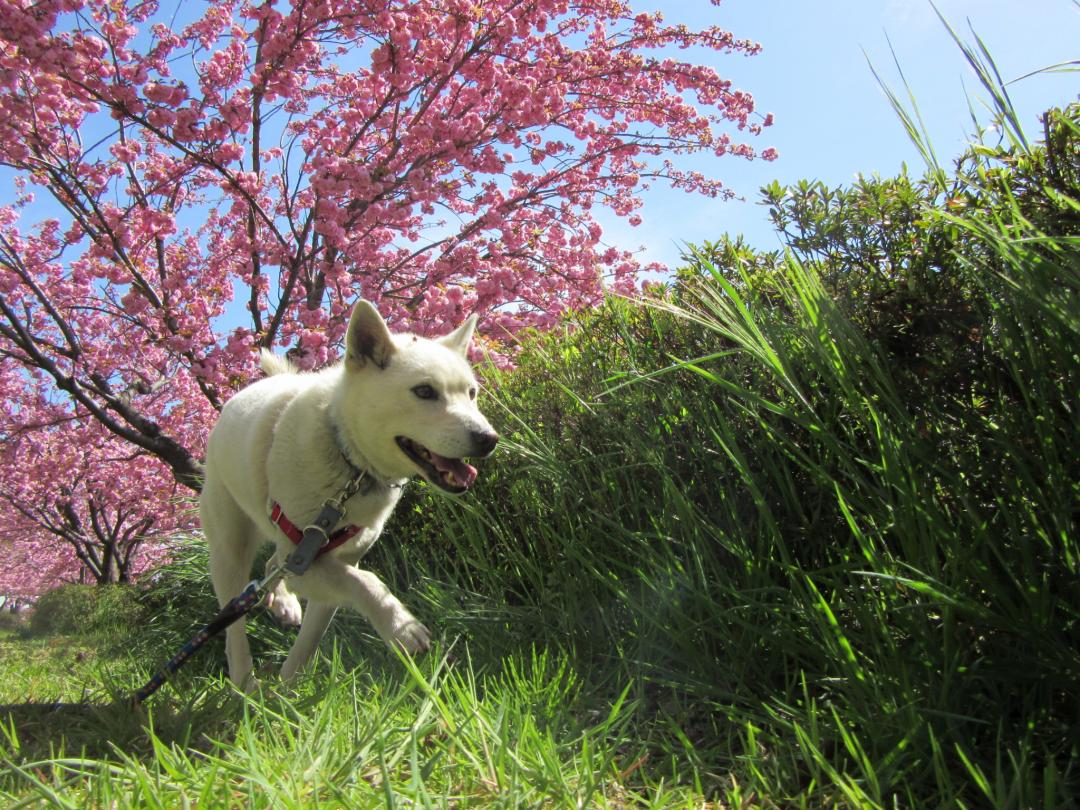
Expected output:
(450, 474)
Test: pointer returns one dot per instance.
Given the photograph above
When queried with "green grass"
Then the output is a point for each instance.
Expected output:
(530, 728)
(45, 669)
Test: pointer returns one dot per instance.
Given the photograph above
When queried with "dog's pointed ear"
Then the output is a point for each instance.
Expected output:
(367, 338)
(458, 340)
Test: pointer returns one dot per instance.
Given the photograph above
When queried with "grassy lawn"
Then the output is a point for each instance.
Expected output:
(45, 669)
(532, 727)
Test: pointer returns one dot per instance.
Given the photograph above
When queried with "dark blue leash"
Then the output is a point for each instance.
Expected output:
(236, 608)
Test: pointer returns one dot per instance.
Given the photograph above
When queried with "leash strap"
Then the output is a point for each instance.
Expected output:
(341, 536)
(237, 607)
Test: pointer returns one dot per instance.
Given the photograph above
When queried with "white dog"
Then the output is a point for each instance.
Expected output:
(397, 405)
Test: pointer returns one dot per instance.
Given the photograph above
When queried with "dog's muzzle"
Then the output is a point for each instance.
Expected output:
(453, 475)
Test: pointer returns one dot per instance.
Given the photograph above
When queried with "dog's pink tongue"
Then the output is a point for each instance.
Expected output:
(465, 474)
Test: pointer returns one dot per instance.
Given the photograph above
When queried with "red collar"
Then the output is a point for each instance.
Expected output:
(277, 516)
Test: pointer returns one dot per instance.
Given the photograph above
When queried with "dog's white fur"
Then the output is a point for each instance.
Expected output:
(285, 439)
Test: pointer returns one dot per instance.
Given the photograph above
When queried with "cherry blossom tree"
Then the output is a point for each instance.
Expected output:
(189, 183)
(77, 504)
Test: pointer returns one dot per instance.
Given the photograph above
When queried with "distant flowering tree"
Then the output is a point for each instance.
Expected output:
(204, 180)
(77, 504)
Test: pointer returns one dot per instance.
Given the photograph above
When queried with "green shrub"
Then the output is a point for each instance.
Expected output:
(12, 622)
(850, 521)
(62, 610)
(86, 610)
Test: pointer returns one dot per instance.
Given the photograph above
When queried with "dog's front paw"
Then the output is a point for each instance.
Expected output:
(285, 606)
(408, 634)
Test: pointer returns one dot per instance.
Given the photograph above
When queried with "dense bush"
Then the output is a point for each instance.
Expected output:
(86, 610)
(10, 621)
(851, 521)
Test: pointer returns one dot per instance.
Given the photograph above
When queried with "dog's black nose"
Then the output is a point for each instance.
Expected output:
(484, 441)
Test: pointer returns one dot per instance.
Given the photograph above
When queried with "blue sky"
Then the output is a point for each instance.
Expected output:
(832, 120)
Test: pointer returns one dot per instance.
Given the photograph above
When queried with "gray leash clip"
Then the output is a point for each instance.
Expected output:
(317, 534)
(314, 538)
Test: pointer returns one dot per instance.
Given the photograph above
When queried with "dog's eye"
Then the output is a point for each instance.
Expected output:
(425, 392)
(472, 393)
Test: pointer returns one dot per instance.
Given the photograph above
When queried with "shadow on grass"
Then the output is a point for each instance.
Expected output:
(37, 731)
(189, 718)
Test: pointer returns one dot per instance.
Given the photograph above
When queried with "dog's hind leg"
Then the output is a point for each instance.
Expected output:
(233, 541)
(317, 618)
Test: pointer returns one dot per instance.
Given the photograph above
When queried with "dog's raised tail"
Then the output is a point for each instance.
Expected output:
(272, 364)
